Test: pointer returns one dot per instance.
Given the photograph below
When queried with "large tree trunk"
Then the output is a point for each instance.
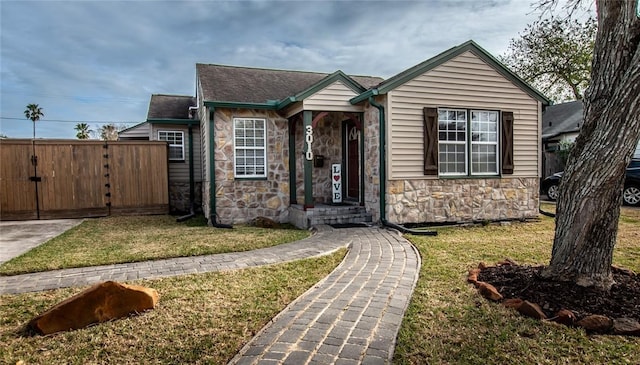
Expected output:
(591, 189)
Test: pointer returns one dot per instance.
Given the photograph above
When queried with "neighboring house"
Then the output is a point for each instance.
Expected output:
(561, 123)
(452, 139)
(174, 118)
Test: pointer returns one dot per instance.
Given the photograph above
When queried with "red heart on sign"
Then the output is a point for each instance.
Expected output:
(336, 177)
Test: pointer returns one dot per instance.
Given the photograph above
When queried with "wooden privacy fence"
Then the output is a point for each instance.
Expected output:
(47, 179)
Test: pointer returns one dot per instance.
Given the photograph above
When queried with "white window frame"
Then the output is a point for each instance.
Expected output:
(453, 142)
(469, 143)
(485, 143)
(173, 145)
(255, 148)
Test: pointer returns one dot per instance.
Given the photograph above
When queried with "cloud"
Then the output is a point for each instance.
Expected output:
(101, 60)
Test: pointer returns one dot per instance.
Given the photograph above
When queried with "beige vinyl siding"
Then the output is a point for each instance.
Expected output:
(463, 82)
(179, 170)
(334, 97)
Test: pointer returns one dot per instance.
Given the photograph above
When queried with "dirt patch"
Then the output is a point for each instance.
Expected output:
(526, 283)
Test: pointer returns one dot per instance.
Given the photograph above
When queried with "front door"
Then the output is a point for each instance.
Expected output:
(352, 161)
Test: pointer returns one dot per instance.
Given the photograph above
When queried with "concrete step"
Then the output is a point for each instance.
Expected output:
(338, 210)
(340, 219)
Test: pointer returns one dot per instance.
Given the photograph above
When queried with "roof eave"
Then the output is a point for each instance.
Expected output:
(286, 102)
(364, 96)
(172, 121)
(241, 105)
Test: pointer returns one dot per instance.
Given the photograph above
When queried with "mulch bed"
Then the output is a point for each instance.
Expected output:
(522, 288)
(525, 282)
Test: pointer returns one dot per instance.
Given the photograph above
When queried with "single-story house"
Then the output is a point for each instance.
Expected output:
(455, 138)
(561, 123)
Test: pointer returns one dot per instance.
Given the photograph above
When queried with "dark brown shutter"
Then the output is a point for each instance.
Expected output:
(430, 141)
(507, 142)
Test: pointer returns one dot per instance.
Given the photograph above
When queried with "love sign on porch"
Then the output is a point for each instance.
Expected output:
(336, 182)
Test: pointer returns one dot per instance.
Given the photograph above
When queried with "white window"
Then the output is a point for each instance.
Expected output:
(467, 138)
(452, 138)
(176, 144)
(249, 136)
(484, 142)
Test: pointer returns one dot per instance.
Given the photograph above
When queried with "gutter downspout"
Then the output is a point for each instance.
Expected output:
(213, 216)
(383, 177)
(192, 190)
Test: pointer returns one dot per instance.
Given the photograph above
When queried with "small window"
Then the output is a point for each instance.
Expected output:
(249, 136)
(176, 144)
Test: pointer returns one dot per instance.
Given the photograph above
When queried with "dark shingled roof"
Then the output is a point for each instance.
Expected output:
(562, 118)
(170, 106)
(259, 85)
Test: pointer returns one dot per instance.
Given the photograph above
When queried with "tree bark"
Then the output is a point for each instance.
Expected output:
(588, 207)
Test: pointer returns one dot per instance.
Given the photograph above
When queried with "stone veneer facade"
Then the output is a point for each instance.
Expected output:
(407, 201)
(241, 200)
(179, 197)
(372, 158)
(462, 200)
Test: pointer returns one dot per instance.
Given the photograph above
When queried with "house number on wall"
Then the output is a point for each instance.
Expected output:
(309, 140)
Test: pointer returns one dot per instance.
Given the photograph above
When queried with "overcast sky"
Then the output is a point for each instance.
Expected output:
(100, 61)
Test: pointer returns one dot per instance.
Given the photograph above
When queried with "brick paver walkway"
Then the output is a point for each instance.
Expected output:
(350, 317)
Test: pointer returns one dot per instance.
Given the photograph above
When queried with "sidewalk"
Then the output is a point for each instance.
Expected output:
(18, 237)
(319, 244)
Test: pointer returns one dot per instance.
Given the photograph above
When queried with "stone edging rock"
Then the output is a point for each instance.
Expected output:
(594, 323)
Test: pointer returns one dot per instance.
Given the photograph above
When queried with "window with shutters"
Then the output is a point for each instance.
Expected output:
(452, 141)
(249, 136)
(484, 142)
(467, 141)
(176, 144)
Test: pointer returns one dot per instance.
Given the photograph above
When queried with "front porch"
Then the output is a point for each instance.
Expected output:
(328, 154)
(326, 175)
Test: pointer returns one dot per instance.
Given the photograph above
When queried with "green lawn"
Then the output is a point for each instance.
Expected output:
(449, 323)
(113, 240)
(206, 318)
(200, 319)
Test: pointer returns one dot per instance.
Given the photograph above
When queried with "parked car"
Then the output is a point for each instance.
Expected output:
(630, 194)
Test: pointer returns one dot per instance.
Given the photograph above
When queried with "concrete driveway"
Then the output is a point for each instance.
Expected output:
(18, 237)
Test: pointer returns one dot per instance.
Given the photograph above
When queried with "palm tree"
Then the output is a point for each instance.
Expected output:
(83, 131)
(109, 132)
(33, 112)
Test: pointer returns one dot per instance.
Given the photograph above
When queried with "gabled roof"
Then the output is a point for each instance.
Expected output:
(419, 69)
(562, 118)
(268, 87)
(170, 106)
